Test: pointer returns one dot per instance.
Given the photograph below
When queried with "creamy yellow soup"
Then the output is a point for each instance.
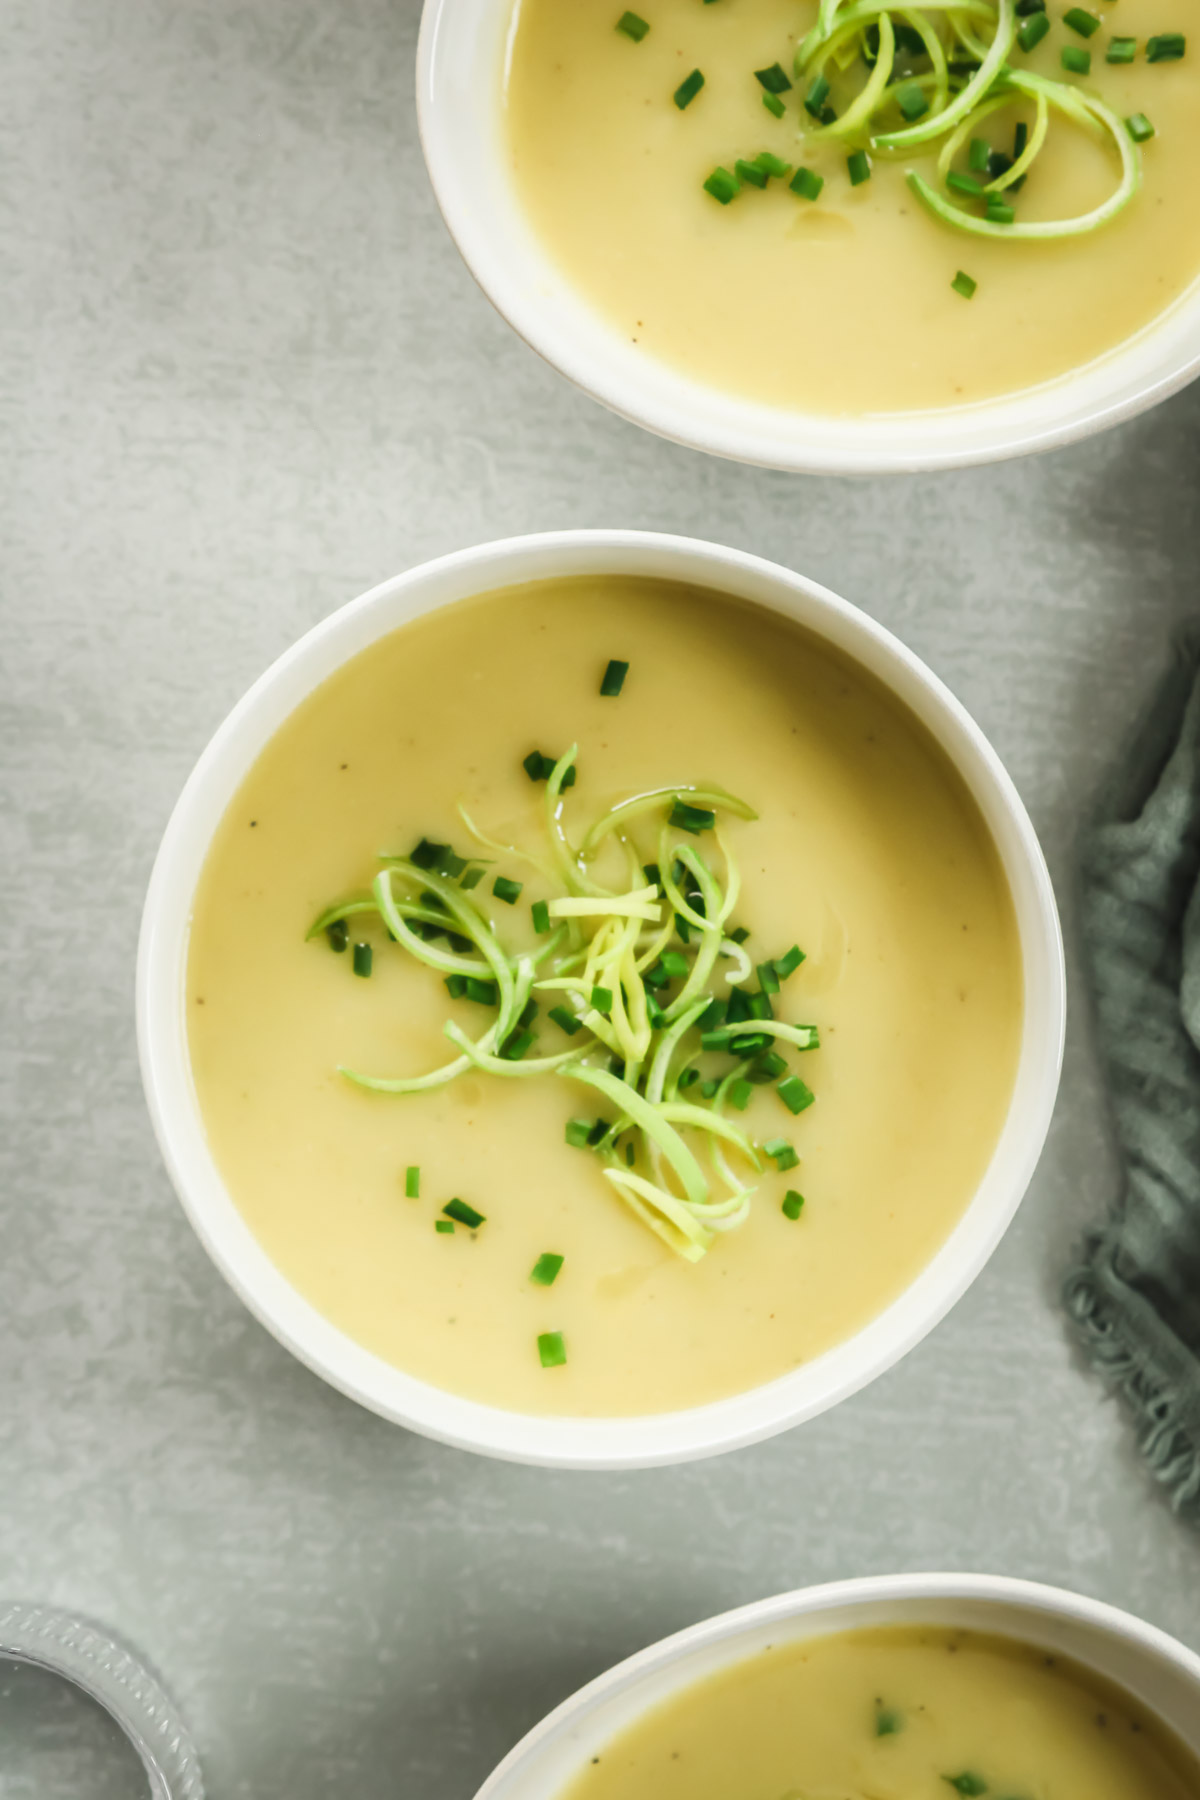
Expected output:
(868, 853)
(843, 305)
(899, 1713)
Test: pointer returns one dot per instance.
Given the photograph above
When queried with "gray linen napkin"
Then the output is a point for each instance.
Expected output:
(1134, 1297)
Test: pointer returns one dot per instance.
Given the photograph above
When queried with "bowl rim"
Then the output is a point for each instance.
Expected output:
(822, 1597)
(559, 1440)
(555, 321)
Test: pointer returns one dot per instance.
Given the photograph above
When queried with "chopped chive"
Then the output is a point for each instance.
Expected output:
(774, 104)
(1025, 7)
(540, 912)
(655, 1013)
(338, 934)
(768, 977)
(537, 766)
(515, 1045)
(858, 166)
(723, 186)
(602, 999)
(789, 962)
(674, 963)
(815, 98)
(1020, 140)
(364, 956)
(768, 1067)
(740, 1093)
(614, 675)
(412, 1182)
(774, 79)
(444, 1225)
(528, 1013)
(713, 1015)
(633, 26)
(506, 890)
(483, 992)
(1085, 23)
(968, 1784)
(694, 818)
(1121, 50)
(964, 184)
(653, 874)
(1139, 128)
(709, 1088)
(793, 1206)
(630, 1155)
(795, 1094)
(737, 1007)
(964, 284)
(599, 1131)
(808, 184)
(689, 1078)
(473, 877)
(748, 171)
(999, 212)
(1168, 46)
(566, 1021)
(464, 1214)
(1032, 30)
(749, 1044)
(760, 1006)
(1075, 60)
(551, 1349)
(770, 164)
(911, 100)
(714, 1040)
(740, 934)
(456, 986)
(683, 930)
(578, 1132)
(828, 115)
(977, 155)
(781, 1153)
(657, 977)
(428, 855)
(887, 1721)
(545, 1270)
(683, 96)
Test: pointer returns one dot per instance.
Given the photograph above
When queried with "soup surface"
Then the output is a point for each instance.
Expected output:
(842, 305)
(867, 852)
(900, 1713)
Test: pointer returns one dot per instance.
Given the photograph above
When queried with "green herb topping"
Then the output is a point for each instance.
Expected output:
(464, 1214)
(633, 26)
(544, 1272)
(552, 1352)
(683, 96)
(412, 1182)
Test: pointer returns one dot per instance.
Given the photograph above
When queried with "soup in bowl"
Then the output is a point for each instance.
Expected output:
(889, 1688)
(828, 236)
(600, 999)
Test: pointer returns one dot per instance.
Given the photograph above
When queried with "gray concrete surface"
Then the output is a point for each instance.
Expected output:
(243, 375)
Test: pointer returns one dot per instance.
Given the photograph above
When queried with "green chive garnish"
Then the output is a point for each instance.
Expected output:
(858, 167)
(338, 934)
(792, 1207)
(770, 164)
(1121, 50)
(768, 978)
(964, 284)
(774, 104)
(1031, 31)
(978, 154)
(749, 171)
(999, 212)
(364, 956)
(808, 184)
(795, 1094)
(967, 1784)
(815, 98)
(578, 1132)
(534, 766)
(515, 1046)
(964, 184)
(614, 679)
(540, 911)
(602, 999)
(481, 991)
(566, 1021)
(1139, 128)
(887, 1722)
(709, 1088)
(545, 1270)
(781, 1153)
(464, 1214)
(444, 1226)
(788, 963)
(683, 96)
(768, 1067)
(694, 818)
(1085, 23)
(1169, 46)
(412, 1182)
(632, 26)
(506, 890)
(723, 186)
(740, 1093)
(675, 963)
(911, 100)
(551, 1349)
(473, 877)
(456, 986)
(740, 935)
(1075, 60)
(774, 79)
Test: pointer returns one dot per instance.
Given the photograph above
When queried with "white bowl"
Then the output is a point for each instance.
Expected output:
(460, 58)
(1150, 1666)
(162, 1034)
